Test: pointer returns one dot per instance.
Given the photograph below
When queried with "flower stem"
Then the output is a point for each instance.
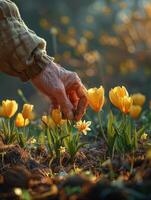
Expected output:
(8, 126)
(24, 132)
(102, 131)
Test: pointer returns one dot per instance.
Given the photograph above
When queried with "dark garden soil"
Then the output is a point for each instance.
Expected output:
(37, 174)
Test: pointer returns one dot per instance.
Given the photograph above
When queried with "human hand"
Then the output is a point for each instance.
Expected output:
(65, 90)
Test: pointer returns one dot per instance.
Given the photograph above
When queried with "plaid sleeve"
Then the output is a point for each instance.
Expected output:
(22, 52)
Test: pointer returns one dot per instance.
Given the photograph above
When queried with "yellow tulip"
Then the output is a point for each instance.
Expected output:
(27, 111)
(116, 94)
(127, 103)
(96, 98)
(120, 98)
(20, 121)
(56, 116)
(138, 99)
(32, 115)
(135, 111)
(1, 111)
(48, 121)
(9, 108)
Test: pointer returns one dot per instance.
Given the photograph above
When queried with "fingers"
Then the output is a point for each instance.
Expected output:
(64, 102)
(82, 104)
(53, 81)
(77, 96)
(74, 99)
(69, 79)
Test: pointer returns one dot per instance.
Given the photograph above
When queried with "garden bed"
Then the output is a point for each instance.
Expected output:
(56, 159)
(23, 176)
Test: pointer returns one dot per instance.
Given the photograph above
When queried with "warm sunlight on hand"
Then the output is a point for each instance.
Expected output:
(65, 90)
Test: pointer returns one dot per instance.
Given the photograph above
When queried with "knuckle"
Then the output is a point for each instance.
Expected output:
(76, 77)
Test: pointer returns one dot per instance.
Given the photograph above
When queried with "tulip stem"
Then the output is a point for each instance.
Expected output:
(8, 126)
(24, 131)
(124, 118)
(102, 130)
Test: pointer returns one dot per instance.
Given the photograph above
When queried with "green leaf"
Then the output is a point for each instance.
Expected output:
(110, 128)
(41, 138)
(141, 131)
(21, 94)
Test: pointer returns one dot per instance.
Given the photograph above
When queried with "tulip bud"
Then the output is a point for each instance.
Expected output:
(96, 98)
(138, 99)
(27, 111)
(56, 116)
(135, 111)
(9, 108)
(120, 98)
(20, 121)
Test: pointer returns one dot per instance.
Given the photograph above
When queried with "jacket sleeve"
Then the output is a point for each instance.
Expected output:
(22, 52)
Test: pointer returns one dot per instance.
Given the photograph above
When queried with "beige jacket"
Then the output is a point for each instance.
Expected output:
(22, 52)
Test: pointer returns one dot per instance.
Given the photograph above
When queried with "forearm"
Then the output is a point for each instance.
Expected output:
(22, 52)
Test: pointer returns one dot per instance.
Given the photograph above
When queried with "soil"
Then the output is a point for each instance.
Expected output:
(37, 174)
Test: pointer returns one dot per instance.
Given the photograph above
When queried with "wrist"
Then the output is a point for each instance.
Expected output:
(39, 62)
(33, 71)
(40, 74)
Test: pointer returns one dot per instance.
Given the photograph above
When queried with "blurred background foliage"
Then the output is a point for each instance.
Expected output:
(105, 41)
